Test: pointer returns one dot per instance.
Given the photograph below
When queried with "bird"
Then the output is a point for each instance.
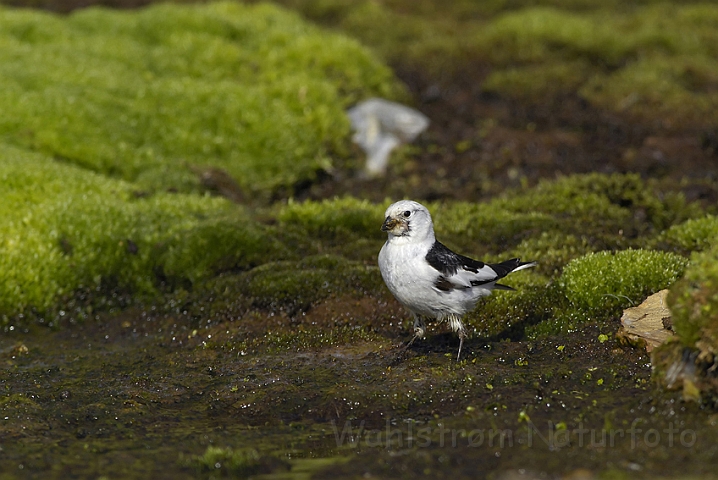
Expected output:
(429, 279)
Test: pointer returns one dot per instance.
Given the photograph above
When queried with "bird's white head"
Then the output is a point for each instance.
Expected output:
(410, 220)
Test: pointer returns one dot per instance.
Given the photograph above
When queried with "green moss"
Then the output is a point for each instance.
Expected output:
(552, 249)
(334, 219)
(65, 228)
(679, 89)
(599, 284)
(546, 80)
(691, 235)
(509, 314)
(295, 286)
(601, 211)
(344, 226)
(220, 243)
(229, 462)
(398, 37)
(694, 302)
(144, 95)
(535, 35)
(559, 219)
(480, 228)
(606, 199)
(656, 60)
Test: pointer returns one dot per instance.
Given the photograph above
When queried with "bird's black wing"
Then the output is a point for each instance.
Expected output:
(448, 262)
(458, 271)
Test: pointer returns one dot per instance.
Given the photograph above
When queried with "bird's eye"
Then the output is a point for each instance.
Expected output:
(407, 214)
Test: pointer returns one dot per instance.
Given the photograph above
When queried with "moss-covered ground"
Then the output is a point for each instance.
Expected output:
(152, 329)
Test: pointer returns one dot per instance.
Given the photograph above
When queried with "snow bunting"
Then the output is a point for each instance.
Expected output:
(428, 278)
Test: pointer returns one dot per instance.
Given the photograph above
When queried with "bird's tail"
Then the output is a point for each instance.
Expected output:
(509, 266)
(523, 265)
(514, 265)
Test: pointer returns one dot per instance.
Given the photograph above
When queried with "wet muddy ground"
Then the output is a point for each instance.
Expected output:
(141, 394)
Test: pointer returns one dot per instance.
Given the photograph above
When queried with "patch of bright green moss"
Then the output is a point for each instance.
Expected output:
(694, 302)
(219, 243)
(345, 226)
(65, 228)
(691, 235)
(144, 95)
(599, 283)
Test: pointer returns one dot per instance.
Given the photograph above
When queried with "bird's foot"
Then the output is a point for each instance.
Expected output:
(419, 328)
(412, 340)
(462, 335)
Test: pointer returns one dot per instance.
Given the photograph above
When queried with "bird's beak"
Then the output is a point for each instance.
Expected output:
(389, 224)
(395, 226)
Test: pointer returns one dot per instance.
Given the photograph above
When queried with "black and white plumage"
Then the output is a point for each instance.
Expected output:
(428, 278)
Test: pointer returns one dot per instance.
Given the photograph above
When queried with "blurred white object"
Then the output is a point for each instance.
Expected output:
(381, 125)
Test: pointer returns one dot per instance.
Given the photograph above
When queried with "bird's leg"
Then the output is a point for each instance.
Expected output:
(462, 335)
(419, 329)
(458, 327)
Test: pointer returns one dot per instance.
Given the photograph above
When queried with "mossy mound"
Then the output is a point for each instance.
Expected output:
(555, 221)
(145, 95)
(694, 302)
(579, 213)
(694, 306)
(602, 283)
(654, 61)
(295, 286)
(692, 235)
(595, 288)
(689, 363)
(345, 226)
(65, 228)
(333, 219)
(70, 229)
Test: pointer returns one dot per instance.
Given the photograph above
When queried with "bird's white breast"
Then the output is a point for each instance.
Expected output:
(411, 280)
